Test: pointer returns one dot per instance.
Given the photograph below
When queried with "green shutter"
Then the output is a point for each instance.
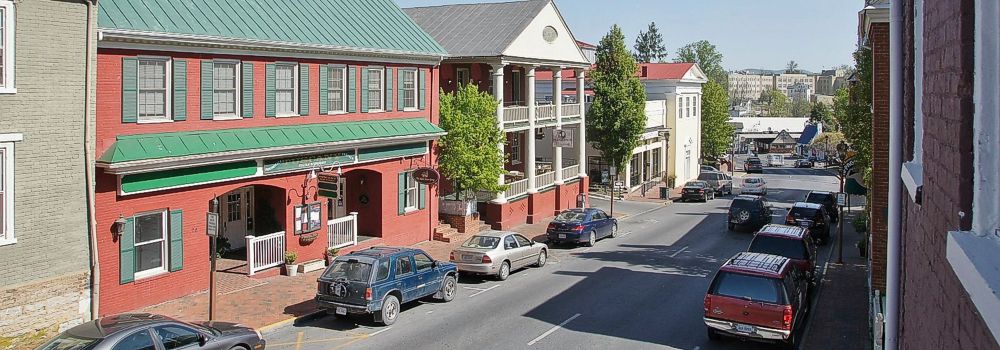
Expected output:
(303, 89)
(207, 110)
(352, 88)
(364, 90)
(421, 90)
(399, 89)
(401, 191)
(423, 196)
(176, 240)
(269, 106)
(324, 75)
(180, 89)
(126, 254)
(130, 90)
(247, 90)
(389, 77)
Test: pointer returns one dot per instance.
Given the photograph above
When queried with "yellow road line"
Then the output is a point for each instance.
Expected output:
(269, 345)
(298, 341)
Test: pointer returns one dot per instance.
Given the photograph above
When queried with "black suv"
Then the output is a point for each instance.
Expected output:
(811, 216)
(827, 199)
(749, 211)
(753, 165)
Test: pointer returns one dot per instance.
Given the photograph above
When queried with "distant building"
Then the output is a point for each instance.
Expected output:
(748, 85)
(783, 81)
(829, 81)
(589, 51)
(799, 91)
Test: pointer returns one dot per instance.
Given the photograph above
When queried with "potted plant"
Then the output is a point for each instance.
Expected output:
(291, 268)
(330, 255)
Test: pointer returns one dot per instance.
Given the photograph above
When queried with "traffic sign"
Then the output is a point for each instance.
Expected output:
(842, 199)
(212, 224)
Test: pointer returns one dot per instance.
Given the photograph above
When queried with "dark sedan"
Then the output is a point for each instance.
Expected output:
(804, 163)
(697, 190)
(582, 226)
(152, 332)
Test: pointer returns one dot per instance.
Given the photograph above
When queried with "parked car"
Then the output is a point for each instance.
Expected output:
(152, 332)
(775, 160)
(811, 216)
(804, 163)
(721, 183)
(749, 211)
(753, 165)
(827, 199)
(498, 253)
(754, 185)
(705, 168)
(378, 280)
(793, 242)
(585, 225)
(759, 297)
(697, 190)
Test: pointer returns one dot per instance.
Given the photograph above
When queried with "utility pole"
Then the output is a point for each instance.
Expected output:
(842, 174)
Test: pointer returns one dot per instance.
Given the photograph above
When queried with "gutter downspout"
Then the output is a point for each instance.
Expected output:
(893, 246)
(95, 267)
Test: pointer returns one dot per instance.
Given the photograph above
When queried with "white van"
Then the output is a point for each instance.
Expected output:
(775, 160)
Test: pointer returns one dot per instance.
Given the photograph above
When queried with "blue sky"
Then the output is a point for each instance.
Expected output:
(818, 34)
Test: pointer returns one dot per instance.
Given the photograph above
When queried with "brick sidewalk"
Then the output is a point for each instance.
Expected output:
(653, 195)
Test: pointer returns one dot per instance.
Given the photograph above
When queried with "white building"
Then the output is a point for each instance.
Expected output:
(799, 92)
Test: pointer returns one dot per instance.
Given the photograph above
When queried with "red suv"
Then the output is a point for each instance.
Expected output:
(759, 297)
(791, 242)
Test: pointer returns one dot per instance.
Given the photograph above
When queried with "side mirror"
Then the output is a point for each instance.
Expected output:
(434, 264)
(202, 339)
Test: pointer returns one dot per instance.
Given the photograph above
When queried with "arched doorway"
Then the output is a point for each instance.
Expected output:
(363, 195)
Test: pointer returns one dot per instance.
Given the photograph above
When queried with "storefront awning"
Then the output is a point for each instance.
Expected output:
(149, 152)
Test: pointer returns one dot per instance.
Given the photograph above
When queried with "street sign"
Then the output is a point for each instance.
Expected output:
(212, 224)
(328, 184)
(426, 176)
(562, 138)
(842, 199)
(619, 184)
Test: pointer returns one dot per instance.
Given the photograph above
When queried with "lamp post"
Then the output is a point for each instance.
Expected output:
(842, 148)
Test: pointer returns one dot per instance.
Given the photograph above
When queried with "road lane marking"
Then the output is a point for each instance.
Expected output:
(674, 255)
(298, 341)
(550, 331)
(378, 332)
(483, 291)
(328, 340)
(474, 288)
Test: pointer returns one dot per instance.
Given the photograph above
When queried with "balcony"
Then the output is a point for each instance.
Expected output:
(517, 117)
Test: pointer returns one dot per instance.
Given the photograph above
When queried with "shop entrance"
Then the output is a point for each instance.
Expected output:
(248, 211)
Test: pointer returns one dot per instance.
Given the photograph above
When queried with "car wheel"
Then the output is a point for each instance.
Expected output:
(238, 347)
(504, 271)
(543, 256)
(592, 239)
(390, 310)
(448, 288)
(713, 334)
(614, 231)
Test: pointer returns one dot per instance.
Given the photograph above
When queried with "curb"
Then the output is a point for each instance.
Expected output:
(277, 325)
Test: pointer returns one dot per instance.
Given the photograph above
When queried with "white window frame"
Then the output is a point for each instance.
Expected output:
(163, 241)
(515, 149)
(380, 93)
(912, 172)
(412, 189)
(402, 81)
(168, 87)
(458, 76)
(7, 211)
(237, 91)
(295, 90)
(330, 108)
(7, 40)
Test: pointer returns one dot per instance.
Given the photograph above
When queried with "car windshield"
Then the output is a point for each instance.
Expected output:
(694, 184)
(821, 198)
(804, 213)
(484, 242)
(752, 180)
(789, 248)
(755, 288)
(571, 216)
(351, 269)
(66, 341)
(742, 204)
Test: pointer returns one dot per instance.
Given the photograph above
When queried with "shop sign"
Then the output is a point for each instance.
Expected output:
(426, 176)
(328, 184)
(283, 165)
(562, 138)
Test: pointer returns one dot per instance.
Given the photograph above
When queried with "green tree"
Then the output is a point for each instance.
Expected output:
(792, 67)
(826, 142)
(822, 114)
(469, 155)
(707, 57)
(774, 103)
(617, 117)
(801, 108)
(716, 132)
(649, 45)
(854, 114)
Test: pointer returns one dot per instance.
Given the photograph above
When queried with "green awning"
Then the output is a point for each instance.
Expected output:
(147, 148)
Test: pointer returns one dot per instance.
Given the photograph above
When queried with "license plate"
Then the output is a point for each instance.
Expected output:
(467, 257)
(743, 328)
(341, 310)
(562, 236)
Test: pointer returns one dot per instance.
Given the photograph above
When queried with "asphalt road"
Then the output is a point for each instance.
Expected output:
(642, 290)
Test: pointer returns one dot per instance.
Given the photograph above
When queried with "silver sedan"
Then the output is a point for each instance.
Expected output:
(498, 253)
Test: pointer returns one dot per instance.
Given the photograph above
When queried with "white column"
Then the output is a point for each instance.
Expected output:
(663, 159)
(628, 174)
(581, 98)
(557, 163)
(498, 94)
(529, 162)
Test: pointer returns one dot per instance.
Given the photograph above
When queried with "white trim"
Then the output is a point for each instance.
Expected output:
(163, 242)
(10, 29)
(912, 175)
(237, 91)
(409, 207)
(343, 90)
(11, 137)
(918, 82)
(381, 89)
(416, 90)
(7, 233)
(974, 260)
(295, 90)
(168, 86)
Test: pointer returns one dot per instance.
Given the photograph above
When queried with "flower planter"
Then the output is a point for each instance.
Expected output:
(291, 270)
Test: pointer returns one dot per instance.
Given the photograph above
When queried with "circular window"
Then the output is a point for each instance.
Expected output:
(550, 34)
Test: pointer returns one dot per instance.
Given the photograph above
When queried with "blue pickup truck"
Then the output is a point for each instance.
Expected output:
(377, 280)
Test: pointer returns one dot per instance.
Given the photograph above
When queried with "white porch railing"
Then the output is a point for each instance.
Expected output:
(516, 188)
(515, 114)
(571, 110)
(571, 172)
(546, 179)
(265, 252)
(545, 114)
(342, 232)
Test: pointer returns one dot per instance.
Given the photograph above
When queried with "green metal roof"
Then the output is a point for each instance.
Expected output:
(179, 144)
(364, 24)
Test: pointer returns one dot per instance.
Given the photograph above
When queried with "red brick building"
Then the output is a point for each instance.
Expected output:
(235, 112)
(499, 47)
(945, 133)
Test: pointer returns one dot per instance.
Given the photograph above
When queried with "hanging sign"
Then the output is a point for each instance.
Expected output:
(562, 138)
(426, 176)
(328, 184)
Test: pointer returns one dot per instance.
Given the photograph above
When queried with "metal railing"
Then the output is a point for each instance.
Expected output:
(342, 232)
(545, 180)
(516, 188)
(515, 114)
(571, 110)
(544, 114)
(571, 172)
(264, 252)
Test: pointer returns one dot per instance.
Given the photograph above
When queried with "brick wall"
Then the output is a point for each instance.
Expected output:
(462, 223)
(936, 311)
(879, 42)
